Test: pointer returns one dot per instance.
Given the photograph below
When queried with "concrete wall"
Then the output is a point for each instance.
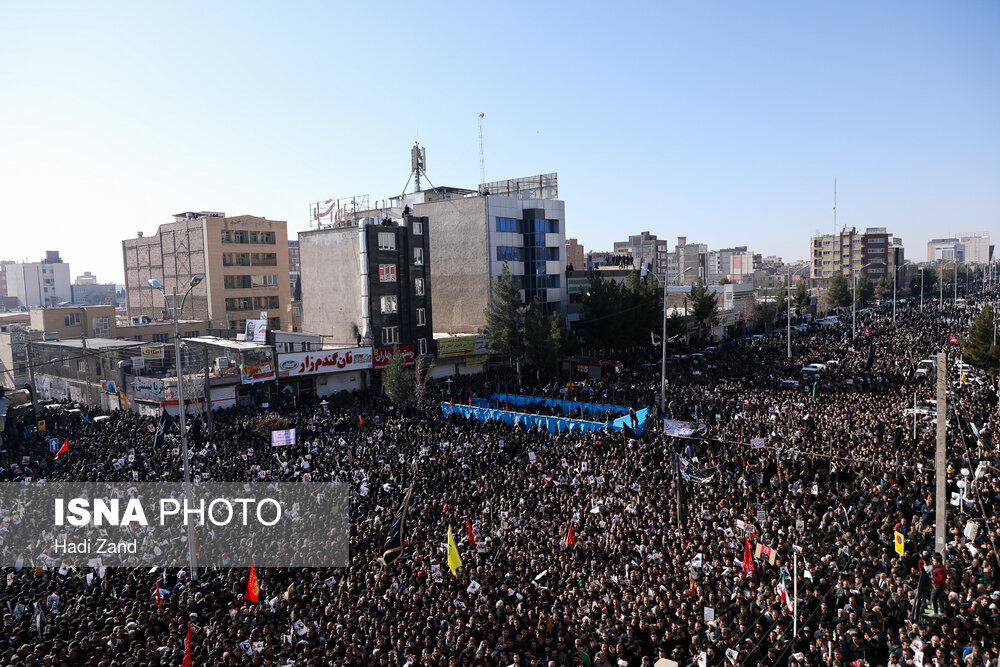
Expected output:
(331, 283)
(339, 382)
(38, 283)
(459, 260)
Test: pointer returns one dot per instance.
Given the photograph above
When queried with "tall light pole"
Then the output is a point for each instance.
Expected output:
(663, 343)
(155, 284)
(954, 301)
(788, 306)
(921, 269)
(895, 276)
(854, 301)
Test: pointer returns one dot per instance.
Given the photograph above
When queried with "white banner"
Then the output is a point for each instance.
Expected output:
(283, 438)
(324, 361)
(147, 389)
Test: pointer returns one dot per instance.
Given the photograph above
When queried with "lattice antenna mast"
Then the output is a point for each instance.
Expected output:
(482, 155)
(835, 205)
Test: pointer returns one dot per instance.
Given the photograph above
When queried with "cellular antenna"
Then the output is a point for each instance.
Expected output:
(418, 164)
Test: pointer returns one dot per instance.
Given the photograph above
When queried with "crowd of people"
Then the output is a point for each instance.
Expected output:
(585, 549)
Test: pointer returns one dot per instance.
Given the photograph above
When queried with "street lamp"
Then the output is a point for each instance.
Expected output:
(788, 305)
(894, 277)
(921, 269)
(663, 343)
(854, 301)
(155, 284)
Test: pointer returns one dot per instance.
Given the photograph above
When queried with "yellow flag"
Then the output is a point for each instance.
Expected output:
(899, 543)
(454, 560)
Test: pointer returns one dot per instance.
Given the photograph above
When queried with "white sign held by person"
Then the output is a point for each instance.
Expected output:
(283, 438)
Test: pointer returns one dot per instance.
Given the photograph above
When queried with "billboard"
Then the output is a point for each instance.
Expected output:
(150, 353)
(383, 356)
(257, 365)
(147, 389)
(257, 331)
(324, 361)
(461, 346)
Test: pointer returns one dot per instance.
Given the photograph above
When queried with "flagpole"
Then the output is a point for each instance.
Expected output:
(795, 593)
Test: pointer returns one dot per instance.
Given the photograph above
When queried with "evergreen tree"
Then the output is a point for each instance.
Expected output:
(884, 287)
(602, 316)
(503, 334)
(781, 298)
(724, 280)
(800, 297)
(560, 337)
(297, 294)
(930, 279)
(538, 350)
(865, 290)
(839, 292)
(978, 348)
(396, 379)
(704, 308)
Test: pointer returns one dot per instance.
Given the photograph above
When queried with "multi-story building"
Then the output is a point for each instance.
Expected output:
(575, 255)
(874, 251)
(977, 247)
(44, 283)
(294, 264)
(244, 260)
(368, 282)
(646, 250)
(947, 250)
(475, 235)
(687, 263)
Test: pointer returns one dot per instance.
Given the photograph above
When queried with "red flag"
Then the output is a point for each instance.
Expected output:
(506, 407)
(867, 330)
(953, 339)
(253, 587)
(361, 421)
(470, 400)
(158, 595)
(451, 402)
(569, 536)
(187, 649)
(747, 558)
(472, 536)
(64, 449)
(444, 509)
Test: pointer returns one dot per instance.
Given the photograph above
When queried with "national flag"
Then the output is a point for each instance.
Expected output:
(157, 594)
(783, 592)
(472, 536)
(253, 586)
(569, 536)
(394, 542)
(64, 449)
(454, 560)
(747, 557)
(187, 649)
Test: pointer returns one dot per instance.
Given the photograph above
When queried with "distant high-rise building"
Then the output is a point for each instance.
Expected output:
(44, 283)
(646, 250)
(294, 265)
(244, 260)
(874, 252)
(87, 278)
(945, 250)
(977, 247)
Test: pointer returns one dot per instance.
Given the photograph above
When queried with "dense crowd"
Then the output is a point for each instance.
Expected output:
(826, 467)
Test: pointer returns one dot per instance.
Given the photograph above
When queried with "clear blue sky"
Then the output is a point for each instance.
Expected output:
(725, 122)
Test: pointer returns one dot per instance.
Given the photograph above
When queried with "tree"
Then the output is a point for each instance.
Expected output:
(839, 292)
(884, 287)
(930, 278)
(538, 350)
(801, 297)
(865, 289)
(396, 379)
(297, 294)
(704, 307)
(781, 298)
(503, 335)
(978, 348)
(724, 280)
(602, 306)
(560, 336)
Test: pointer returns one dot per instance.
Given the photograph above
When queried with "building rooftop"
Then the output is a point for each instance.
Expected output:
(92, 343)
(226, 342)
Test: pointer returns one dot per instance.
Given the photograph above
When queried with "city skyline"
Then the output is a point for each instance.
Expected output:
(726, 124)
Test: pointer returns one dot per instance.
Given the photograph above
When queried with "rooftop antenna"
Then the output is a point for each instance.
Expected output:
(418, 163)
(482, 159)
(835, 205)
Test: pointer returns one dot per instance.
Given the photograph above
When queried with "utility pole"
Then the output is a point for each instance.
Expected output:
(663, 359)
(940, 457)
(208, 396)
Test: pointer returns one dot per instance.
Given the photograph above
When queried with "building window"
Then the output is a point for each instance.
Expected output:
(389, 305)
(264, 259)
(236, 282)
(418, 228)
(81, 366)
(236, 259)
(418, 256)
(190, 334)
(264, 281)
(386, 240)
(273, 324)
(507, 224)
(390, 335)
(418, 286)
(102, 327)
(421, 317)
(387, 273)
(239, 303)
(508, 254)
(160, 337)
(238, 325)
(421, 346)
(72, 320)
(265, 302)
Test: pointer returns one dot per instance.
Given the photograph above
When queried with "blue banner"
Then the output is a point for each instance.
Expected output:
(550, 424)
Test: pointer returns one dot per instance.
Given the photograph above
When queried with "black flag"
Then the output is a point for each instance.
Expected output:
(166, 421)
(393, 548)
